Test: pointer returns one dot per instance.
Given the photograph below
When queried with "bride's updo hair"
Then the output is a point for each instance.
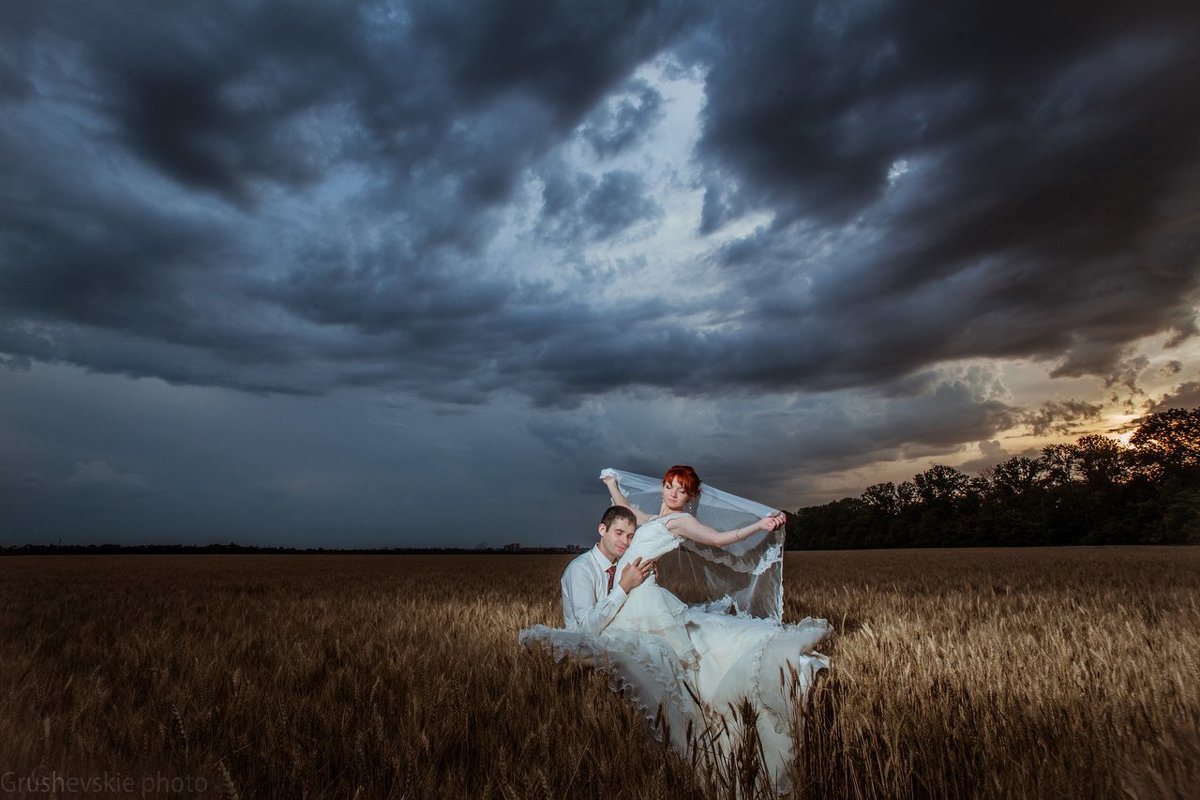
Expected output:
(687, 478)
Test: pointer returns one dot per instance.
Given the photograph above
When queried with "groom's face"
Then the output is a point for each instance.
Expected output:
(615, 538)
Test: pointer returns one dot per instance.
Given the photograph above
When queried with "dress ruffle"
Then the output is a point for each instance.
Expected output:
(643, 671)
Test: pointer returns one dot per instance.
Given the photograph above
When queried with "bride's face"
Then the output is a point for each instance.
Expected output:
(674, 495)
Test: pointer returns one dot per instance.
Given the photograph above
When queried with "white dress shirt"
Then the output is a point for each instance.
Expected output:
(588, 606)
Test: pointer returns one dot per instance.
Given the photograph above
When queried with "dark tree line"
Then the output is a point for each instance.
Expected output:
(1096, 491)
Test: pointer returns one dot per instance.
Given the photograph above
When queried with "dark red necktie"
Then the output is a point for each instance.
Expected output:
(612, 573)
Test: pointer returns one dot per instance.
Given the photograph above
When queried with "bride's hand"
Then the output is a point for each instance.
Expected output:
(773, 522)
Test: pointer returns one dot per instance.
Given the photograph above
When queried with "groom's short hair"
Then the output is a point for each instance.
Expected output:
(615, 513)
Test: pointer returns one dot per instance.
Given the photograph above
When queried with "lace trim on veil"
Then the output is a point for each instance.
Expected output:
(772, 555)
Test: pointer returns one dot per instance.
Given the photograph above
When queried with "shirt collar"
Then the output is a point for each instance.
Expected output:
(601, 561)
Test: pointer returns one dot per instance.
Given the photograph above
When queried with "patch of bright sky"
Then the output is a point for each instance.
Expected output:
(664, 160)
(897, 170)
(666, 254)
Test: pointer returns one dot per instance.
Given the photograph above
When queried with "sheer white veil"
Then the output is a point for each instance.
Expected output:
(747, 575)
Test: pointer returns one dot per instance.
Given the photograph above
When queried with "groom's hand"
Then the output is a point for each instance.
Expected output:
(634, 573)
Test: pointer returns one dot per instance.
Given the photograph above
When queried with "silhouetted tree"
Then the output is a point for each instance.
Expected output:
(1016, 477)
(941, 486)
(1170, 440)
(1096, 491)
(1101, 460)
(882, 497)
(1061, 464)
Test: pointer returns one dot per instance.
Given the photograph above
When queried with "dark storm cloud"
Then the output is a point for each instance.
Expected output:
(1060, 416)
(431, 111)
(217, 95)
(72, 256)
(1185, 395)
(967, 182)
(813, 104)
(934, 421)
(971, 183)
(1006, 183)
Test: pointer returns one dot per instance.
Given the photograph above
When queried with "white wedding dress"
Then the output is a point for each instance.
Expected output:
(691, 668)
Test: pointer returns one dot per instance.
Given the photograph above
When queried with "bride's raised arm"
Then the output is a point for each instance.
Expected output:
(618, 498)
(689, 527)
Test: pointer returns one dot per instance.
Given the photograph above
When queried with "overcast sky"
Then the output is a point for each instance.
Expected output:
(412, 273)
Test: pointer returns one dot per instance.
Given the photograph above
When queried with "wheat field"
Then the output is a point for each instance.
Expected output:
(967, 673)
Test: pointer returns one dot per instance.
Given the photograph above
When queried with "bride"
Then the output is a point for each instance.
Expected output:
(691, 667)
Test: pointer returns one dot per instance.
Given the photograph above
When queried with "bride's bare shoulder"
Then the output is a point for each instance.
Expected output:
(668, 520)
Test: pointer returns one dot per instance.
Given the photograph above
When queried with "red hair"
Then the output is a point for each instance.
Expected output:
(686, 476)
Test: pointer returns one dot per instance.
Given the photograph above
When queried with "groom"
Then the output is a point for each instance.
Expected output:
(592, 594)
